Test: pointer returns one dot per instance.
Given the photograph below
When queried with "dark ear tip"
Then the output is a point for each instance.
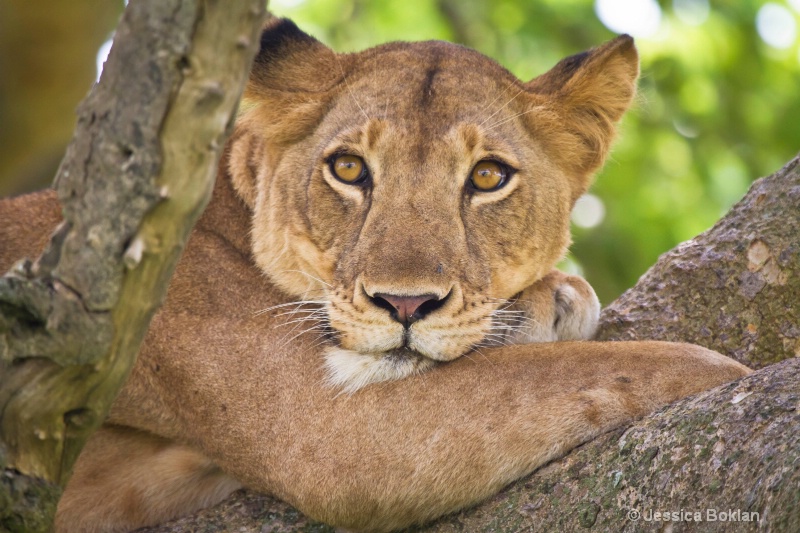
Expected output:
(272, 22)
(624, 44)
(279, 32)
(291, 60)
(625, 38)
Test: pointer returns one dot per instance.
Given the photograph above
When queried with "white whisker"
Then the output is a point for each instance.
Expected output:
(491, 127)
(349, 90)
(303, 319)
(297, 304)
(476, 349)
(310, 276)
(308, 312)
(496, 98)
(317, 327)
(514, 319)
(501, 108)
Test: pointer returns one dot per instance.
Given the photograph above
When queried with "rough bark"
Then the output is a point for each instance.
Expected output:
(736, 289)
(137, 174)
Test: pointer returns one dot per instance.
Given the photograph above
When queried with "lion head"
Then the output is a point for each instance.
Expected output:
(413, 189)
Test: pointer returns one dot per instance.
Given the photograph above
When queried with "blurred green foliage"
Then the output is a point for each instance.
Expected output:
(717, 106)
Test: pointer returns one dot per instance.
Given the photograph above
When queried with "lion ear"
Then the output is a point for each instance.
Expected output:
(244, 160)
(290, 60)
(581, 99)
(292, 79)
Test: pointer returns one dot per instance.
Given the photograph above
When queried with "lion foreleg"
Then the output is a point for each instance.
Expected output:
(125, 479)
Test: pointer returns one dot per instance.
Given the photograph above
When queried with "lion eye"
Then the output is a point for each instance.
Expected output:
(488, 176)
(348, 168)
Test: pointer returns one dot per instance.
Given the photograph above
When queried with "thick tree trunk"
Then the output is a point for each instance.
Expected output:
(137, 175)
(725, 460)
(734, 288)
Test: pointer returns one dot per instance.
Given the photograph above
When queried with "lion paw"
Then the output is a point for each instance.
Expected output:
(558, 307)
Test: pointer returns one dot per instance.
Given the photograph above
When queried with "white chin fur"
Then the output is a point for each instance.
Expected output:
(351, 370)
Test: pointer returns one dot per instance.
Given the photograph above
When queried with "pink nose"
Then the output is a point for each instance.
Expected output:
(407, 309)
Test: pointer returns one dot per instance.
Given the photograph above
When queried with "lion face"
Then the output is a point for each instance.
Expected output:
(415, 188)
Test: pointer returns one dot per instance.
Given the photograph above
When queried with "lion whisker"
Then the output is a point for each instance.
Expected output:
(502, 340)
(496, 98)
(491, 127)
(317, 327)
(516, 329)
(514, 320)
(296, 322)
(476, 348)
(507, 314)
(297, 304)
(307, 312)
(303, 319)
(310, 276)
(470, 358)
(501, 108)
(349, 90)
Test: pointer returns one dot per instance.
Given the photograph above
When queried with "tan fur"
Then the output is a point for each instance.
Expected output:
(229, 378)
(159, 475)
(26, 223)
(323, 240)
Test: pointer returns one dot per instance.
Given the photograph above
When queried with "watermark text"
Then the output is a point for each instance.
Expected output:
(694, 515)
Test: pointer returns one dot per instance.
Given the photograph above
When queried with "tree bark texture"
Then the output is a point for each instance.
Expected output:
(727, 453)
(138, 173)
(734, 288)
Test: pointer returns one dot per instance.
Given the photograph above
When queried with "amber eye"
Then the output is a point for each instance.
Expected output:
(488, 175)
(348, 168)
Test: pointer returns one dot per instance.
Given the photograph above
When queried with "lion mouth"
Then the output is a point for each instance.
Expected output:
(350, 370)
(406, 343)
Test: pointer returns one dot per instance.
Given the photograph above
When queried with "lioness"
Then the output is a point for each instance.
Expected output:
(376, 214)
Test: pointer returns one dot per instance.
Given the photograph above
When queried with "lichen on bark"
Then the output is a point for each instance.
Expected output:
(26, 504)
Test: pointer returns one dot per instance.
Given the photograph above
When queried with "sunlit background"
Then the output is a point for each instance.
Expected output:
(718, 105)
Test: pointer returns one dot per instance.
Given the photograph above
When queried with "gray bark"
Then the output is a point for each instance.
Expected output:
(735, 289)
(136, 176)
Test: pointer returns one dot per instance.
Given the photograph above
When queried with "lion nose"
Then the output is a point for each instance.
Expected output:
(408, 309)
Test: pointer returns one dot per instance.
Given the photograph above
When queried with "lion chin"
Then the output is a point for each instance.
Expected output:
(350, 371)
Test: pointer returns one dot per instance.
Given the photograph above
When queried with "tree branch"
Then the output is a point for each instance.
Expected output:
(734, 288)
(136, 176)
